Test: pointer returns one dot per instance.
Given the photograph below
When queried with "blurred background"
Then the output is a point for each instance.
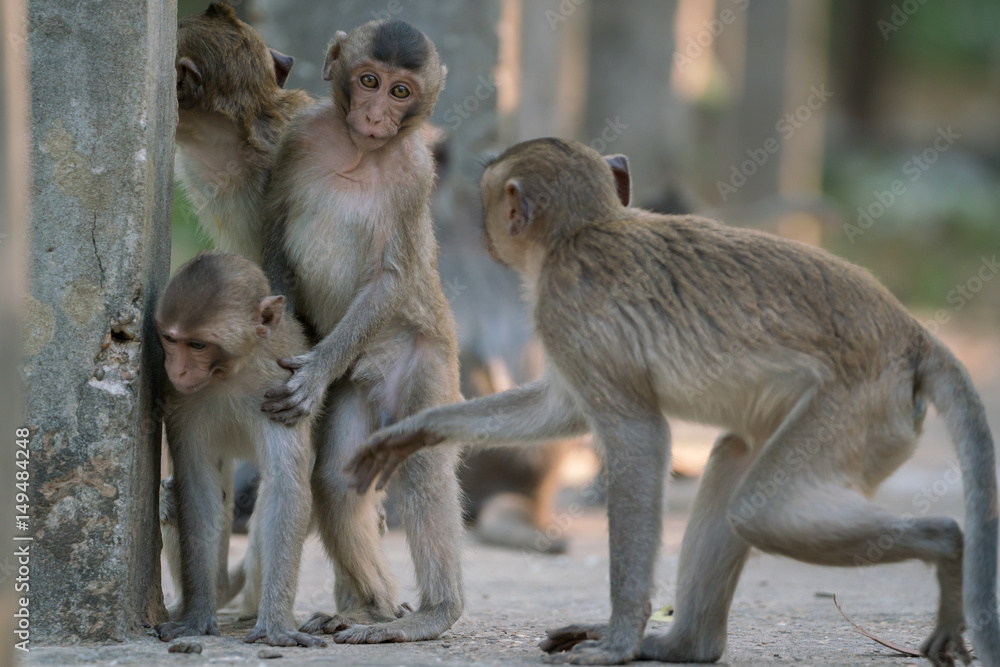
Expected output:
(871, 128)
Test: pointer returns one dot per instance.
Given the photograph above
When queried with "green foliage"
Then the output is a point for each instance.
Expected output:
(186, 239)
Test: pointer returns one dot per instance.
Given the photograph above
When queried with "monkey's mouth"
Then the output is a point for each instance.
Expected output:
(189, 388)
(368, 140)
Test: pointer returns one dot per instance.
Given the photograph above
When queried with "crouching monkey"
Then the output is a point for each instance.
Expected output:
(223, 334)
(824, 397)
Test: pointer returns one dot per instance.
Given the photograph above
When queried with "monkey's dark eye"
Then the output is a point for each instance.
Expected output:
(369, 81)
(197, 346)
(168, 338)
(400, 92)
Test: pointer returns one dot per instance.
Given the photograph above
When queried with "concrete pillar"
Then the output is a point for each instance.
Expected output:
(553, 68)
(630, 106)
(103, 114)
(761, 107)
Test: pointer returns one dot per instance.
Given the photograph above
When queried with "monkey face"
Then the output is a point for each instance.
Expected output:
(191, 363)
(211, 318)
(381, 99)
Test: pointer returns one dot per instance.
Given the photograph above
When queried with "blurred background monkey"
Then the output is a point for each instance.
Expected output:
(823, 401)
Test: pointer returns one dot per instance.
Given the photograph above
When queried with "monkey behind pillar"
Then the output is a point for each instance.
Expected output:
(232, 111)
(823, 400)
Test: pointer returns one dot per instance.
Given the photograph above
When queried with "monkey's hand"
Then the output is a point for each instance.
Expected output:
(287, 637)
(587, 645)
(563, 639)
(385, 450)
(187, 627)
(297, 398)
(168, 502)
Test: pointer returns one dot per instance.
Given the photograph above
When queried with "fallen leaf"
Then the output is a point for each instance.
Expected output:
(664, 615)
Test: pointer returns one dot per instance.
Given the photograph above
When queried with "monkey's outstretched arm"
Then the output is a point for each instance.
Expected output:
(371, 309)
(537, 411)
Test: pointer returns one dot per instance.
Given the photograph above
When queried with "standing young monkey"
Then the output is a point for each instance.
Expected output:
(824, 397)
(349, 216)
(223, 332)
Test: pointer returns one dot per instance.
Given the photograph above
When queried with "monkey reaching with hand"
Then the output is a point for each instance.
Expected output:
(823, 399)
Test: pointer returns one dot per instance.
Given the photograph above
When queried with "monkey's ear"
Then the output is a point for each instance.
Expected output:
(517, 207)
(222, 9)
(269, 316)
(623, 179)
(332, 53)
(282, 66)
(189, 84)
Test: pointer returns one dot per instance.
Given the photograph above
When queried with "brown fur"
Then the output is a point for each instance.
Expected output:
(232, 113)
(823, 391)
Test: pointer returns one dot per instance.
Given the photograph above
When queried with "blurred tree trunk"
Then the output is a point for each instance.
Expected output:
(761, 104)
(630, 107)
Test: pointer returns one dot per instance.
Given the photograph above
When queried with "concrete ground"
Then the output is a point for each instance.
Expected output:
(782, 613)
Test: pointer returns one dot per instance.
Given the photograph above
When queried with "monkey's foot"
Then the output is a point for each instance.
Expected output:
(328, 624)
(943, 646)
(418, 626)
(582, 644)
(681, 645)
(592, 652)
(282, 637)
(187, 628)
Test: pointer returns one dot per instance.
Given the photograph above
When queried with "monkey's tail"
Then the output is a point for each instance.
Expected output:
(945, 381)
